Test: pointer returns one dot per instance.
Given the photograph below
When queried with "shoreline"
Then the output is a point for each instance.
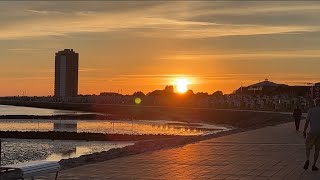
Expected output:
(241, 120)
(149, 146)
(234, 118)
(84, 136)
(91, 116)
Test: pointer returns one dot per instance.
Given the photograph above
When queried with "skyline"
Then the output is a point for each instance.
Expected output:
(144, 46)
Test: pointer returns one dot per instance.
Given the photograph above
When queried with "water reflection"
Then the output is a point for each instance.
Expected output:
(105, 126)
(71, 153)
(65, 126)
(18, 110)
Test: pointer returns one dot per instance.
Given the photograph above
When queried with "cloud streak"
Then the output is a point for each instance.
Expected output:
(154, 22)
(44, 12)
(144, 45)
(253, 56)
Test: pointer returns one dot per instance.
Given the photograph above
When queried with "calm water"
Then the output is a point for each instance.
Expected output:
(17, 150)
(106, 126)
(23, 150)
(18, 110)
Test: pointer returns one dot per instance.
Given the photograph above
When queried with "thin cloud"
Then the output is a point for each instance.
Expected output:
(88, 69)
(253, 56)
(80, 70)
(46, 12)
(29, 50)
(26, 78)
(170, 28)
(22, 49)
(155, 25)
(196, 79)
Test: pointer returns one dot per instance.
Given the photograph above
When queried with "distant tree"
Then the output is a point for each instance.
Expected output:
(108, 94)
(217, 93)
(201, 94)
(156, 93)
(189, 92)
(169, 89)
(138, 94)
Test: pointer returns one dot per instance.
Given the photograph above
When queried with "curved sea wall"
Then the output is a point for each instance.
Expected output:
(241, 119)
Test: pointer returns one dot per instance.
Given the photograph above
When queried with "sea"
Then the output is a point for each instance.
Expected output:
(23, 150)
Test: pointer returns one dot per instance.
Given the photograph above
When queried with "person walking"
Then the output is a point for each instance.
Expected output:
(313, 137)
(297, 113)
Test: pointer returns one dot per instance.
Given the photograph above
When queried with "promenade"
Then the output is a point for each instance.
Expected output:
(268, 153)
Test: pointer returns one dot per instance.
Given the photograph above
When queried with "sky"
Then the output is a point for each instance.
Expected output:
(129, 46)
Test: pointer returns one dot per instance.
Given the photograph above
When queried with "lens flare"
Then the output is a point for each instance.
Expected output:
(137, 100)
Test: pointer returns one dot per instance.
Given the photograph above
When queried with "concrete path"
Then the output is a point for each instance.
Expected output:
(267, 153)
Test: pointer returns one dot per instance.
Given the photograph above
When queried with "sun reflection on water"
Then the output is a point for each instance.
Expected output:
(119, 127)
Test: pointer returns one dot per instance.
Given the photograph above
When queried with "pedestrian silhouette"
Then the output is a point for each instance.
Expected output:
(313, 137)
(297, 113)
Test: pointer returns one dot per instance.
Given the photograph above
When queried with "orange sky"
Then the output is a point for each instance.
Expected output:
(133, 46)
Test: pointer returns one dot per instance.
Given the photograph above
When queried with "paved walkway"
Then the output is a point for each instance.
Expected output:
(267, 153)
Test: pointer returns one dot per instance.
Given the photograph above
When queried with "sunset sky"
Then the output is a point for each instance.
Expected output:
(216, 45)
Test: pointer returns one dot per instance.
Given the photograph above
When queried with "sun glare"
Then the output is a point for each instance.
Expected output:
(182, 85)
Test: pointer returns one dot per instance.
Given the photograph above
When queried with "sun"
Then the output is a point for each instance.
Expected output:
(182, 85)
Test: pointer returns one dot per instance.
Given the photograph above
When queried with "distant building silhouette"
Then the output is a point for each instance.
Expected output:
(66, 73)
(267, 87)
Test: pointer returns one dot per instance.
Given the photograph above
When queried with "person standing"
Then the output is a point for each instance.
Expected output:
(313, 137)
(297, 113)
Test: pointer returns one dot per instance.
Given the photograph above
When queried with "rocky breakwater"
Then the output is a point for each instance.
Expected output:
(53, 135)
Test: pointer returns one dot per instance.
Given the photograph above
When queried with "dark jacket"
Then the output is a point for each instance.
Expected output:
(297, 113)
